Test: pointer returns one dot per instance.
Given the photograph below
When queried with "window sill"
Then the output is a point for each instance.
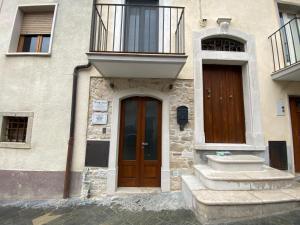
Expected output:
(18, 145)
(47, 54)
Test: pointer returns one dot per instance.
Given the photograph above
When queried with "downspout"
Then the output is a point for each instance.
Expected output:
(67, 179)
(1, 4)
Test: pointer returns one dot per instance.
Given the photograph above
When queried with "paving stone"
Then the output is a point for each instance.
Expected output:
(114, 215)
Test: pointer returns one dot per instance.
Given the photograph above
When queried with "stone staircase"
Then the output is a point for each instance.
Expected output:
(238, 187)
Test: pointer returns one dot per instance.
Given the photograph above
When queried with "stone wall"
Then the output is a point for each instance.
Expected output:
(181, 142)
(93, 182)
(180, 92)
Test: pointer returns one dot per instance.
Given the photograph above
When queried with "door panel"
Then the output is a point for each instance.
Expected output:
(151, 146)
(140, 142)
(223, 104)
(129, 152)
(141, 26)
(295, 119)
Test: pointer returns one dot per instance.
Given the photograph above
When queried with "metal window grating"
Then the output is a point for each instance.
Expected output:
(15, 130)
(222, 44)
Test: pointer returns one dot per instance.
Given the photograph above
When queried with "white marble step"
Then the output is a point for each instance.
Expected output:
(266, 179)
(211, 206)
(236, 162)
(193, 182)
(190, 183)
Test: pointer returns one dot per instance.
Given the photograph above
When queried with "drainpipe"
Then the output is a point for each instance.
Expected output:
(1, 4)
(67, 180)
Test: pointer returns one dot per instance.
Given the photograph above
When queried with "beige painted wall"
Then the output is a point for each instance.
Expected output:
(43, 84)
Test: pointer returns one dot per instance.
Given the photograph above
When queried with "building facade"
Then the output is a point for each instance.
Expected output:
(149, 89)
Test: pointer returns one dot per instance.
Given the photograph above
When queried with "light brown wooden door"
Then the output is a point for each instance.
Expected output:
(140, 143)
(295, 119)
(224, 120)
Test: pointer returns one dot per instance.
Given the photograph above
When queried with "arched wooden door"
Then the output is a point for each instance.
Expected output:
(140, 142)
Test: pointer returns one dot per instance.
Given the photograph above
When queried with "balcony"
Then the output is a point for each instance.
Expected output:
(285, 44)
(137, 41)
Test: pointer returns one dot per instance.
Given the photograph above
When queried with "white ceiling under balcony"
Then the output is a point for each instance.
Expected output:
(132, 65)
(291, 73)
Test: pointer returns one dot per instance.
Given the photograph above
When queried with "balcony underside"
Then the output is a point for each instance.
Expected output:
(291, 73)
(133, 65)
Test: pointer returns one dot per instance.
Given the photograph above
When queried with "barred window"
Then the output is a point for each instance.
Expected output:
(15, 129)
(222, 44)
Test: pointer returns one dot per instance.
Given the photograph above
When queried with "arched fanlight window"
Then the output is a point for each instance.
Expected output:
(222, 44)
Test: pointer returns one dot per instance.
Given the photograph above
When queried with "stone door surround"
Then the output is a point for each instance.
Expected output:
(112, 176)
(247, 59)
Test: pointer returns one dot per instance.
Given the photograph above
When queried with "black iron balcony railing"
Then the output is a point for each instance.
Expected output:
(285, 44)
(127, 28)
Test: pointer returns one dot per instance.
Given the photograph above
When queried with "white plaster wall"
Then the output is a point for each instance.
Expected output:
(82, 111)
(43, 84)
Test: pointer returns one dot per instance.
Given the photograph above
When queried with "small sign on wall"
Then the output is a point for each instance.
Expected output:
(280, 108)
(100, 105)
(99, 118)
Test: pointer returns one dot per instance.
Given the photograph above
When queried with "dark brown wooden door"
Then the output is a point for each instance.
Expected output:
(140, 143)
(295, 118)
(224, 120)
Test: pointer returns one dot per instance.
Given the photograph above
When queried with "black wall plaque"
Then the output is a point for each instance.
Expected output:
(278, 155)
(97, 153)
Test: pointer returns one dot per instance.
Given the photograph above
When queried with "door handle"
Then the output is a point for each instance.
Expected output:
(208, 92)
(144, 144)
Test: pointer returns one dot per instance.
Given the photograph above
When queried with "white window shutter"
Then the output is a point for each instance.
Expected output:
(37, 23)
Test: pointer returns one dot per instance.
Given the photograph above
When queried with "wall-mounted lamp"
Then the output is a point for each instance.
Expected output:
(182, 116)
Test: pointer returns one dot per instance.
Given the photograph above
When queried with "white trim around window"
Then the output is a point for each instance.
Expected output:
(15, 33)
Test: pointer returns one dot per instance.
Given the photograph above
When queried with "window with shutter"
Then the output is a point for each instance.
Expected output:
(35, 32)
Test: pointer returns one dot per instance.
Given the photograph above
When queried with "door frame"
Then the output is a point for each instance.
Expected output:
(112, 172)
(247, 59)
(290, 143)
(210, 77)
(140, 160)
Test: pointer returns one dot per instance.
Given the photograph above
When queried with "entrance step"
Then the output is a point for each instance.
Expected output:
(266, 179)
(212, 206)
(235, 162)
(190, 183)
